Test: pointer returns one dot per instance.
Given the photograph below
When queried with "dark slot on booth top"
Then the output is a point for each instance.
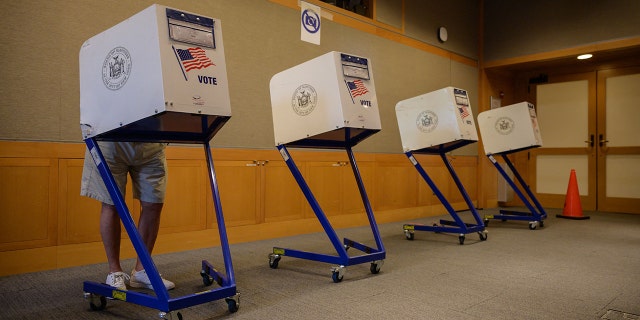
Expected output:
(191, 28)
(355, 67)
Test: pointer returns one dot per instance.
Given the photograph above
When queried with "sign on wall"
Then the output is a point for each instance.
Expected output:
(309, 23)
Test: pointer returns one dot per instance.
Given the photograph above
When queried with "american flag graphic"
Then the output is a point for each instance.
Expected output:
(356, 88)
(194, 58)
(464, 112)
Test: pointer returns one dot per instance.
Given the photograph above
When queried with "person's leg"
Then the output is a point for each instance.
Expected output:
(110, 232)
(148, 226)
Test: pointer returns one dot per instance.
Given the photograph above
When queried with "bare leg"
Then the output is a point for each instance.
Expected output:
(110, 232)
(148, 226)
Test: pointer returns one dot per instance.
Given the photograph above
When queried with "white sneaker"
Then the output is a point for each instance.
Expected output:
(117, 280)
(140, 279)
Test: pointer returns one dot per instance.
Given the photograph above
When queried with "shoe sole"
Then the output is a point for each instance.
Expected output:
(142, 285)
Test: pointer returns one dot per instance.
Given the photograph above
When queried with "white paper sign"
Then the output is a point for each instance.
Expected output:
(309, 23)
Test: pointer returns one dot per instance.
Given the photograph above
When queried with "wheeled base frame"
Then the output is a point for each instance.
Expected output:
(375, 256)
(446, 226)
(97, 293)
(534, 217)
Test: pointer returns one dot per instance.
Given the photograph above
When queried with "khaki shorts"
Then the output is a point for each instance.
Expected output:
(145, 162)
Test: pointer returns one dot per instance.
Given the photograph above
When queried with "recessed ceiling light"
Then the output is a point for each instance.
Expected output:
(585, 56)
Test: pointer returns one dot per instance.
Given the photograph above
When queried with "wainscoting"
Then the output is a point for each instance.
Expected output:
(46, 224)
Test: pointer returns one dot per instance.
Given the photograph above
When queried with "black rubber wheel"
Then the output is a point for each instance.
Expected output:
(101, 306)
(486, 222)
(273, 262)
(541, 224)
(232, 304)
(179, 315)
(207, 280)
(409, 235)
(461, 239)
(336, 277)
(375, 268)
(483, 235)
(532, 226)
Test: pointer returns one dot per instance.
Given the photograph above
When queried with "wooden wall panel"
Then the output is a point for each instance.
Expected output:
(238, 183)
(28, 203)
(352, 201)
(41, 207)
(283, 199)
(325, 181)
(79, 220)
(395, 184)
(185, 207)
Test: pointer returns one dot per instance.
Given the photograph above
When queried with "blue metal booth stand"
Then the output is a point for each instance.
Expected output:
(98, 292)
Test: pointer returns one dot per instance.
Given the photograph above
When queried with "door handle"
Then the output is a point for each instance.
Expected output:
(602, 140)
(590, 141)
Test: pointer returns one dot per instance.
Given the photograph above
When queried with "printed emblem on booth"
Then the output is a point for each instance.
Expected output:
(116, 68)
(505, 125)
(304, 100)
(427, 121)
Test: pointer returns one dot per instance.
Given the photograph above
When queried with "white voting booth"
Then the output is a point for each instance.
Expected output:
(314, 103)
(437, 120)
(504, 131)
(435, 123)
(158, 76)
(327, 102)
(510, 128)
(150, 74)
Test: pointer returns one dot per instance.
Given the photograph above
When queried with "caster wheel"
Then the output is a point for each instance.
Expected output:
(483, 235)
(97, 303)
(533, 225)
(408, 235)
(461, 239)
(337, 273)
(376, 266)
(336, 277)
(207, 280)
(541, 224)
(232, 304)
(273, 260)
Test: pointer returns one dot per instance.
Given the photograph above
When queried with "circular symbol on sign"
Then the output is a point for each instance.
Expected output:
(505, 125)
(310, 21)
(116, 68)
(427, 121)
(304, 100)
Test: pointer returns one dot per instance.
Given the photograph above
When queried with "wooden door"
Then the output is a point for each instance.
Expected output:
(618, 140)
(566, 110)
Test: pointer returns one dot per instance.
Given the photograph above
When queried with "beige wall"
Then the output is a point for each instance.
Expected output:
(41, 41)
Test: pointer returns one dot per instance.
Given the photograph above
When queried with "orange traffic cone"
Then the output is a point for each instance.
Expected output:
(572, 207)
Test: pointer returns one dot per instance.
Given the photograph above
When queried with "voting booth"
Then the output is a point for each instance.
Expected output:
(507, 130)
(510, 129)
(327, 102)
(316, 103)
(435, 123)
(158, 76)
